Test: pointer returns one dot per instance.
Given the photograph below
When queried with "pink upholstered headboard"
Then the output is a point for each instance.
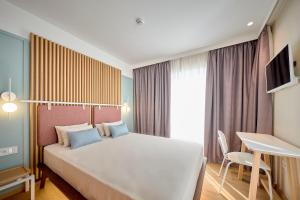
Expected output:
(58, 115)
(106, 114)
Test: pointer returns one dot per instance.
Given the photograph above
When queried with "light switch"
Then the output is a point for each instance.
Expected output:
(8, 150)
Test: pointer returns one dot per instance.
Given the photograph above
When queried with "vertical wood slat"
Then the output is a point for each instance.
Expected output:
(105, 84)
(36, 63)
(53, 71)
(97, 78)
(65, 75)
(58, 86)
(72, 77)
(45, 75)
(109, 84)
(83, 70)
(92, 89)
(79, 79)
(101, 83)
(31, 107)
(41, 63)
(74, 84)
(50, 70)
(62, 70)
(87, 80)
(68, 75)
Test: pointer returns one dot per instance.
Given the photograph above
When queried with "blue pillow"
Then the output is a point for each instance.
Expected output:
(82, 138)
(118, 130)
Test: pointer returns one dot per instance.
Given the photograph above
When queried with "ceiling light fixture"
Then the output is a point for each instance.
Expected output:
(250, 23)
(139, 21)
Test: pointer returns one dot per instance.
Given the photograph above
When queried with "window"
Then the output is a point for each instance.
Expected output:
(188, 78)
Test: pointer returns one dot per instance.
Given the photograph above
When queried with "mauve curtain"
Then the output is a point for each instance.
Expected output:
(152, 96)
(236, 99)
(260, 107)
(228, 77)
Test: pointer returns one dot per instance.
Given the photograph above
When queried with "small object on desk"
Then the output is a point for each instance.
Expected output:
(15, 176)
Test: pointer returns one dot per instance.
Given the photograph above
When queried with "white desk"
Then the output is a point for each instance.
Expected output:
(268, 144)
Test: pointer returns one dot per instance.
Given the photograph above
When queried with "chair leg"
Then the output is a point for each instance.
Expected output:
(224, 176)
(221, 166)
(270, 184)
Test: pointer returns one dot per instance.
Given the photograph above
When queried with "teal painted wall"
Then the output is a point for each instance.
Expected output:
(127, 96)
(14, 130)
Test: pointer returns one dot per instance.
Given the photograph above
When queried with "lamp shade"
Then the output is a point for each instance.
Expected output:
(125, 108)
(9, 107)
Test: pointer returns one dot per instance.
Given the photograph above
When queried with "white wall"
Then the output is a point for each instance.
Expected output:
(286, 29)
(229, 42)
(20, 22)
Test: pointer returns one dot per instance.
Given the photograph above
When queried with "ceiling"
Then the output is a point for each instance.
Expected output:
(171, 26)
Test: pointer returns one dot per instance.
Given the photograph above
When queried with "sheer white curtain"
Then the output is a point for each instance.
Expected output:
(188, 78)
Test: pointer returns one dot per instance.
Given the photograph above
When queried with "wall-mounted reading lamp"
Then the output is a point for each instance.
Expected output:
(9, 98)
(125, 106)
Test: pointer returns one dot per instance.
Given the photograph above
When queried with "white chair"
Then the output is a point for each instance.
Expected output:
(241, 158)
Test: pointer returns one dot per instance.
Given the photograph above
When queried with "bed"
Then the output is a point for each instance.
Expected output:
(133, 166)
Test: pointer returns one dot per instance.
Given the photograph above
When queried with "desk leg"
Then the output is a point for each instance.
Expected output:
(254, 175)
(267, 160)
(293, 178)
(32, 188)
(241, 167)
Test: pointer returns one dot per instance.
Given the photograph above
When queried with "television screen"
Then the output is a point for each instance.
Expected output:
(278, 70)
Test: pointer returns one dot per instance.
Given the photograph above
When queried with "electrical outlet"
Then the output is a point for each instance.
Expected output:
(8, 150)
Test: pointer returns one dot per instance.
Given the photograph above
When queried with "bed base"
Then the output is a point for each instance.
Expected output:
(60, 183)
(73, 194)
(200, 180)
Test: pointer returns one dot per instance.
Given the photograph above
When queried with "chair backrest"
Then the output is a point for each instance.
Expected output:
(223, 143)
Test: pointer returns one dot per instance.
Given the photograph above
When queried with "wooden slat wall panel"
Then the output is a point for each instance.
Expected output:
(61, 74)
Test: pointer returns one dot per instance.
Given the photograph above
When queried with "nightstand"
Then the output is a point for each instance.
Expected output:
(15, 176)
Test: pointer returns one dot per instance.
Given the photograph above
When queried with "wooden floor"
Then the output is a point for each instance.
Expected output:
(233, 188)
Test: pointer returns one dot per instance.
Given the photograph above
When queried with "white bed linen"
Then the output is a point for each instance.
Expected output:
(138, 166)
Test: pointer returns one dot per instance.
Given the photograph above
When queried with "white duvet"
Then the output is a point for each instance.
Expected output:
(138, 166)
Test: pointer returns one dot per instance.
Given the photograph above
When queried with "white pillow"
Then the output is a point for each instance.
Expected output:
(59, 130)
(100, 129)
(106, 127)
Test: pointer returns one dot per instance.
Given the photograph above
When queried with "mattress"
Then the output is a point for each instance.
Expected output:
(133, 166)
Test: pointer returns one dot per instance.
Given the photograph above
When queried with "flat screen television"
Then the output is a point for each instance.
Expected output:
(280, 71)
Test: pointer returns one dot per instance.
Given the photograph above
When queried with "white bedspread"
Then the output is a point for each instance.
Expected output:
(139, 166)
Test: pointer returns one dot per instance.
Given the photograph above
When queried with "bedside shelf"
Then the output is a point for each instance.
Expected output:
(15, 176)
(10, 175)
